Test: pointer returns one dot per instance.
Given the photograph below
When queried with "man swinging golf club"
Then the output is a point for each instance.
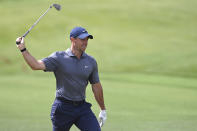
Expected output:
(73, 70)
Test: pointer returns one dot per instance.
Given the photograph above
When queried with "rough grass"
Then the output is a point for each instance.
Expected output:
(130, 35)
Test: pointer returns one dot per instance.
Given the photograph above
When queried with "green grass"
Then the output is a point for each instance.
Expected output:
(146, 52)
(134, 102)
(130, 35)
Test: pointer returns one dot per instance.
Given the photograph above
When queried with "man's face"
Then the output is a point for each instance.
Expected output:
(81, 44)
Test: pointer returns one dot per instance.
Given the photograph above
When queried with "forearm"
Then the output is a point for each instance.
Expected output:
(30, 60)
(98, 93)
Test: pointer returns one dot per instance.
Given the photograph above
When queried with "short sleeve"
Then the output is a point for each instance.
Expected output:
(51, 62)
(94, 76)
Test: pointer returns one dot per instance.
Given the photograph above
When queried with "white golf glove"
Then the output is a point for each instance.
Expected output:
(102, 117)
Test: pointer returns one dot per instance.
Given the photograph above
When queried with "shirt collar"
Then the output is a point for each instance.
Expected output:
(69, 52)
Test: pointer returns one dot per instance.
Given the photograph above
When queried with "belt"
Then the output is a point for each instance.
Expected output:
(75, 103)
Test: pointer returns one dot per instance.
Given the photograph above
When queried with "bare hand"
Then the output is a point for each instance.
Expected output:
(20, 43)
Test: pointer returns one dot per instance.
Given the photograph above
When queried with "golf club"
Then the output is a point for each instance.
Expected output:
(101, 123)
(57, 7)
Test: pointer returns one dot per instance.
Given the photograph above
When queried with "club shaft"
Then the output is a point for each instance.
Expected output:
(101, 123)
(37, 21)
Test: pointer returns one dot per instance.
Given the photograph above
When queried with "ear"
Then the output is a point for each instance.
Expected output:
(72, 38)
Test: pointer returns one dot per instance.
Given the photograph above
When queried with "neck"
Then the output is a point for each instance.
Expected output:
(76, 52)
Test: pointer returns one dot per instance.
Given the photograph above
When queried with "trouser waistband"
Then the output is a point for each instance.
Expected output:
(75, 103)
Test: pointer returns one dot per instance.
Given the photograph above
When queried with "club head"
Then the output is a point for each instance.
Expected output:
(57, 7)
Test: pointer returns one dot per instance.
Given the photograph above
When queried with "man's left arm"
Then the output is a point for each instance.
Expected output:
(98, 94)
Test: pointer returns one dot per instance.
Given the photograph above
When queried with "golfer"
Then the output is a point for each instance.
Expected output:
(73, 69)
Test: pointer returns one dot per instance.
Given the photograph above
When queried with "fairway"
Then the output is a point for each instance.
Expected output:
(146, 53)
(134, 102)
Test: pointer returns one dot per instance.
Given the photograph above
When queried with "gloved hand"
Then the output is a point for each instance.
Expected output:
(102, 117)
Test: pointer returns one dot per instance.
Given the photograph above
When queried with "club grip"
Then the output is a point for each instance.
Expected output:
(18, 42)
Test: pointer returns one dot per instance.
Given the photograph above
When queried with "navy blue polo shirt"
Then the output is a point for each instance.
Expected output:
(72, 74)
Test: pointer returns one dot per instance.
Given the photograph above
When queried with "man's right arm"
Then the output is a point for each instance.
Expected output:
(30, 60)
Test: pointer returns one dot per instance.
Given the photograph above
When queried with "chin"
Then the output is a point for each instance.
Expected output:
(83, 49)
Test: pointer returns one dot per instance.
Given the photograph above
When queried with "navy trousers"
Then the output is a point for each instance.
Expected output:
(64, 115)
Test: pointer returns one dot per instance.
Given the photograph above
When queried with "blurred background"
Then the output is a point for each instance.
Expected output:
(146, 53)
